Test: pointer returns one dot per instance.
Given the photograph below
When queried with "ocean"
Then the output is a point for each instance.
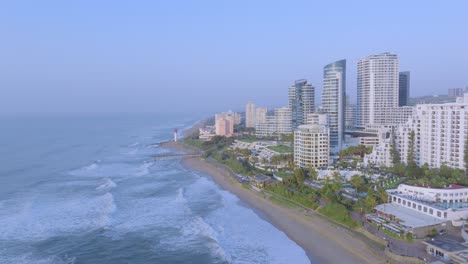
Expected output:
(84, 189)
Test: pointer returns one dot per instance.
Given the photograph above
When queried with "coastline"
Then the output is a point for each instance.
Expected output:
(322, 240)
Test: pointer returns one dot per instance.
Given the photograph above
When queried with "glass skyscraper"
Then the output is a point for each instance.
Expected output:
(334, 100)
(404, 88)
(301, 101)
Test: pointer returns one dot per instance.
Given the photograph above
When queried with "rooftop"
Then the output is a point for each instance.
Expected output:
(408, 217)
(261, 178)
(447, 244)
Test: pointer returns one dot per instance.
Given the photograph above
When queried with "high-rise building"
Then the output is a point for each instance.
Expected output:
(250, 114)
(283, 120)
(277, 124)
(377, 88)
(260, 115)
(455, 92)
(311, 146)
(404, 88)
(333, 100)
(301, 101)
(224, 124)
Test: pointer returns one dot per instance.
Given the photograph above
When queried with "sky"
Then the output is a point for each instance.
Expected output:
(157, 56)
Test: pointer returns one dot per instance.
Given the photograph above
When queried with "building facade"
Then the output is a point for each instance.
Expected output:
(260, 115)
(301, 101)
(455, 92)
(404, 88)
(274, 125)
(334, 100)
(311, 146)
(440, 131)
(224, 124)
(250, 115)
(377, 88)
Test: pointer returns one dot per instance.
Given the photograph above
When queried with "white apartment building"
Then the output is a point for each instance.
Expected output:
(250, 115)
(377, 88)
(283, 120)
(260, 115)
(317, 119)
(277, 124)
(440, 132)
(311, 146)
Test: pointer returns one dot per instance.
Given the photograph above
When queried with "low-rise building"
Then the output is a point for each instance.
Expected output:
(206, 133)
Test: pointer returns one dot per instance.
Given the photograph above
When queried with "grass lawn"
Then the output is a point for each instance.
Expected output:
(282, 149)
(339, 213)
(283, 202)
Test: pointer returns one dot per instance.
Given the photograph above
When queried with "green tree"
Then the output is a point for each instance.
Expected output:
(313, 173)
(299, 176)
(357, 182)
(393, 149)
(370, 203)
(411, 146)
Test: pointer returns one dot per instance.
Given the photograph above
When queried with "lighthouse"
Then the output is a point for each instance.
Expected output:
(175, 135)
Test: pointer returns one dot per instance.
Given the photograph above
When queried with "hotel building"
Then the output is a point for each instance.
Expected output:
(277, 124)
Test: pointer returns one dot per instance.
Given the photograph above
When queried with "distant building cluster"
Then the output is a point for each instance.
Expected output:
(224, 123)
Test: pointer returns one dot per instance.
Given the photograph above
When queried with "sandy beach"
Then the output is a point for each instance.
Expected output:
(323, 241)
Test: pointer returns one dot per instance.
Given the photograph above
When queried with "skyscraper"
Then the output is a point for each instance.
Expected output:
(333, 100)
(260, 115)
(377, 88)
(404, 88)
(250, 114)
(301, 101)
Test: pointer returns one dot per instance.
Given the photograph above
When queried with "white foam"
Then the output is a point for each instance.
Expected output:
(106, 184)
(38, 219)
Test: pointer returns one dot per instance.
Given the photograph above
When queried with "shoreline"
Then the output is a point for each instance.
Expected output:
(322, 240)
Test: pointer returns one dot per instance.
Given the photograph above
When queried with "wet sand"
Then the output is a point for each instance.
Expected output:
(323, 241)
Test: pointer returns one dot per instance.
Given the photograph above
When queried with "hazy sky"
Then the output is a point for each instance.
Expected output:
(152, 56)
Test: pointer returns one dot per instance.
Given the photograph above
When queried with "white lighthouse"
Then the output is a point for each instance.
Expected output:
(175, 135)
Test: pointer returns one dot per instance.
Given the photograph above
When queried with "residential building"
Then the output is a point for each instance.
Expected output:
(317, 119)
(311, 146)
(455, 92)
(404, 88)
(277, 124)
(260, 115)
(301, 101)
(377, 88)
(439, 131)
(283, 117)
(224, 124)
(237, 118)
(333, 100)
(250, 115)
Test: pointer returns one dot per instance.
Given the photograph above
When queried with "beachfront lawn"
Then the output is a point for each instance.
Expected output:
(283, 202)
(282, 149)
(338, 213)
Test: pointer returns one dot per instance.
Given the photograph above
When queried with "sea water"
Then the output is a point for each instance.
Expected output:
(84, 189)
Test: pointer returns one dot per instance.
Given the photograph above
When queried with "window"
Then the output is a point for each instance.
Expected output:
(425, 209)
